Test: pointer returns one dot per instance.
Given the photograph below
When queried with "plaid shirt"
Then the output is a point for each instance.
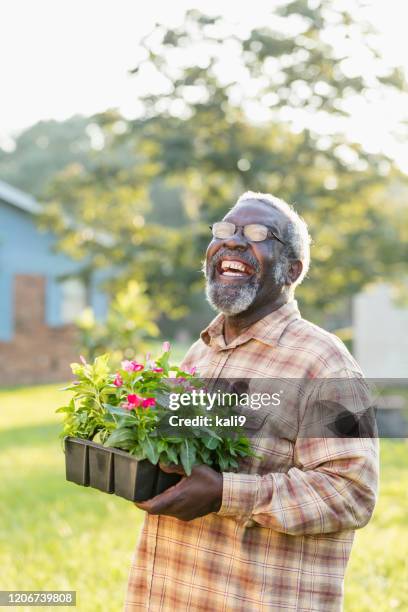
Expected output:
(283, 535)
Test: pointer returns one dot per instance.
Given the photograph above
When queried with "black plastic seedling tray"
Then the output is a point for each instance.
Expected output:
(77, 461)
(165, 481)
(114, 471)
(101, 468)
(134, 480)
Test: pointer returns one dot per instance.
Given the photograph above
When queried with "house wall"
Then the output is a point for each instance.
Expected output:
(24, 249)
(37, 353)
(380, 333)
(35, 345)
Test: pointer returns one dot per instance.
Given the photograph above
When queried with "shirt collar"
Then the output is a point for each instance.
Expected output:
(267, 330)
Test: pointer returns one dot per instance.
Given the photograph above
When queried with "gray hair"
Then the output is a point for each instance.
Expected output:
(296, 235)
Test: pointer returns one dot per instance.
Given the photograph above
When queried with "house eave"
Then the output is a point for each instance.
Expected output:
(15, 197)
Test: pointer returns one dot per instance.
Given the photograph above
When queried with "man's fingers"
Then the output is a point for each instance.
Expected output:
(162, 502)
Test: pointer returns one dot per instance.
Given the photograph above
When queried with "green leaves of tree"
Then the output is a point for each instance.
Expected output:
(188, 167)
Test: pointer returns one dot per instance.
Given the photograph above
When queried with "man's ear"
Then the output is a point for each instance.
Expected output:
(294, 271)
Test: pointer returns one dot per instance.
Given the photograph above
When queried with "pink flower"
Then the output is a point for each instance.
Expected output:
(82, 359)
(134, 400)
(132, 366)
(118, 382)
(193, 370)
(149, 402)
(158, 370)
(166, 346)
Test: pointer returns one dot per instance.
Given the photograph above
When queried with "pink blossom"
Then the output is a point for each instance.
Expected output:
(132, 366)
(134, 400)
(158, 370)
(149, 402)
(166, 346)
(82, 360)
(118, 382)
(193, 370)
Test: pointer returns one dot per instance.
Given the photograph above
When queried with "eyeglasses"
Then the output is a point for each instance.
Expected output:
(254, 232)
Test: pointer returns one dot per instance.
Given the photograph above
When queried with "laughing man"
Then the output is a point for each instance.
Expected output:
(277, 535)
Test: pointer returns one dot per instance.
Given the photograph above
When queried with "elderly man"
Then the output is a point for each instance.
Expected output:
(277, 534)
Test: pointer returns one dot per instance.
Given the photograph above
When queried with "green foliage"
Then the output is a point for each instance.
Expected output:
(128, 410)
(139, 434)
(43, 150)
(85, 415)
(129, 322)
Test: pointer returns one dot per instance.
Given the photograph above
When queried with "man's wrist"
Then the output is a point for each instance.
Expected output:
(217, 503)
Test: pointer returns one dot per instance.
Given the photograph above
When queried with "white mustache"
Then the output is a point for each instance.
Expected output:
(248, 259)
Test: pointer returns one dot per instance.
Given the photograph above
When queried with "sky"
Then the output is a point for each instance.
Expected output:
(59, 58)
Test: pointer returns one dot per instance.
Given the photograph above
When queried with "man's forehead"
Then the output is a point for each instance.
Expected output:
(254, 211)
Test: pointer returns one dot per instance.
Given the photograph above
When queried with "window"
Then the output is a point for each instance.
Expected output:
(73, 299)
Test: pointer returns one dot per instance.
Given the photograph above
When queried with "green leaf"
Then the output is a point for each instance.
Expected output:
(116, 410)
(64, 409)
(162, 445)
(171, 455)
(137, 452)
(223, 463)
(120, 436)
(150, 451)
(211, 442)
(187, 455)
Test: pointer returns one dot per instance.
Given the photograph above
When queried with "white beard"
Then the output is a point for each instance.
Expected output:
(231, 300)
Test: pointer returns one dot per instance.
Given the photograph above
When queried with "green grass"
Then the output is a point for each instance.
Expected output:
(56, 535)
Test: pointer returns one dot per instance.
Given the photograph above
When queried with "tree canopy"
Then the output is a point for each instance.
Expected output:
(224, 112)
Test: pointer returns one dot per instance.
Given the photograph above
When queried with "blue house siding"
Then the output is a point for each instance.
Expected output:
(26, 250)
(6, 308)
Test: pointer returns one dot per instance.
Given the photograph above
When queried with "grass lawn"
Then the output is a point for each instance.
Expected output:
(56, 535)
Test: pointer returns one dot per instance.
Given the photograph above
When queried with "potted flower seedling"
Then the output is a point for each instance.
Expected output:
(115, 428)
(87, 462)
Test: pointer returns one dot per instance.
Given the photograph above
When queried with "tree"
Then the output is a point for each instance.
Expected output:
(198, 136)
(43, 150)
(129, 322)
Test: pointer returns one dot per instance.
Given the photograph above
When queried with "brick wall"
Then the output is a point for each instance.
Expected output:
(37, 353)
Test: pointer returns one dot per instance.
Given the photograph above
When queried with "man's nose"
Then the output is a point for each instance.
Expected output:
(237, 241)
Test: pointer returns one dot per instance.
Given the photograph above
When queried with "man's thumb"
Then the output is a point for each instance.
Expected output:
(172, 469)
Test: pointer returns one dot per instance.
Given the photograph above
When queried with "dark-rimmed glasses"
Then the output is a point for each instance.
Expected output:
(254, 232)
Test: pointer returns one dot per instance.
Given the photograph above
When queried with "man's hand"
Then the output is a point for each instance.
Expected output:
(194, 496)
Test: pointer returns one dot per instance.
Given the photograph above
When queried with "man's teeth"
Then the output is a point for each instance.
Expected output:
(233, 268)
(234, 265)
(226, 273)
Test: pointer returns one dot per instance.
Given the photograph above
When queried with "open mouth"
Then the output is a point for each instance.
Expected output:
(234, 268)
